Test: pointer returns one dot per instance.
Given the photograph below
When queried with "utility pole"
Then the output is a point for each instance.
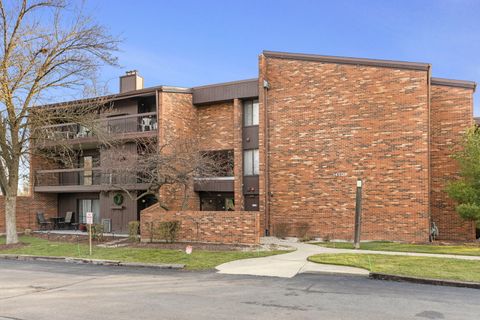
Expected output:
(358, 213)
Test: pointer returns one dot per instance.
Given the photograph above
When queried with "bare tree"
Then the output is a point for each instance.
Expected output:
(167, 169)
(45, 45)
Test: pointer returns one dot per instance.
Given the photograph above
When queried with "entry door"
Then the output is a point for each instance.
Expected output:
(88, 205)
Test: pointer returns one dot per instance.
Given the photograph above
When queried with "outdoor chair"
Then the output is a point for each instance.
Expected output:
(146, 124)
(69, 221)
(42, 222)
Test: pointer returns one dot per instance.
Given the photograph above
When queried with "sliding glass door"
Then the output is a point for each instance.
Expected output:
(88, 205)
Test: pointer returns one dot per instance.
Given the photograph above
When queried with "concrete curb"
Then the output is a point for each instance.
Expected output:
(24, 257)
(436, 282)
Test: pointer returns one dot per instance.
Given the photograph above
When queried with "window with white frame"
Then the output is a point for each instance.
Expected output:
(251, 162)
(250, 113)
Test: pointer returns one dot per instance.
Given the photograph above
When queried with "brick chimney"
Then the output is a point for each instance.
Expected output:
(131, 81)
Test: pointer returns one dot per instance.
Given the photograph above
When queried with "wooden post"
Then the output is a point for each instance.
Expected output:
(90, 237)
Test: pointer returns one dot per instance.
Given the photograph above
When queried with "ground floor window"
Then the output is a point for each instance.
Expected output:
(88, 205)
(217, 201)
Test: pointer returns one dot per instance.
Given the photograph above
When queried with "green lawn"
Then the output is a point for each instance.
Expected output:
(196, 261)
(405, 247)
(424, 267)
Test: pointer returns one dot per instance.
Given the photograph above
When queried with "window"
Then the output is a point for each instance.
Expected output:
(250, 113)
(251, 162)
(88, 205)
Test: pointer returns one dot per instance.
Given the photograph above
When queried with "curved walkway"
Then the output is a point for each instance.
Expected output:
(290, 264)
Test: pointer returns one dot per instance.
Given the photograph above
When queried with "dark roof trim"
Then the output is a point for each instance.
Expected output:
(226, 83)
(225, 91)
(125, 95)
(454, 83)
(348, 60)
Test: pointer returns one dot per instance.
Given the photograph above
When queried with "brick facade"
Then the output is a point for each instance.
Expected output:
(216, 126)
(451, 116)
(333, 123)
(324, 122)
(230, 227)
(27, 208)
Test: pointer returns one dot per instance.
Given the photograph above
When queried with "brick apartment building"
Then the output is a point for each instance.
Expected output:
(300, 135)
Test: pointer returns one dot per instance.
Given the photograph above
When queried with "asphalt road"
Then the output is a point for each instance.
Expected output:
(48, 290)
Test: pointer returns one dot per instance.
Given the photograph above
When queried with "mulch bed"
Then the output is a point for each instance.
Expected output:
(71, 238)
(155, 245)
(455, 243)
(195, 246)
(11, 246)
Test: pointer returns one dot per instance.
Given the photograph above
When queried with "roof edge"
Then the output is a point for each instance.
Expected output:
(119, 96)
(349, 60)
(454, 83)
(225, 83)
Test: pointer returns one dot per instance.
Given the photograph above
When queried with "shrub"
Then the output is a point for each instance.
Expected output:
(281, 230)
(150, 227)
(133, 230)
(302, 230)
(168, 230)
(97, 232)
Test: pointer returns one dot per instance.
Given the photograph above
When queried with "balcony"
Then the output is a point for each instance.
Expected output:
(119, 127)
(214, 184)
(80, 180)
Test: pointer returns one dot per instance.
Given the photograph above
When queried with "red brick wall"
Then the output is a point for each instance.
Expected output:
(178, 120)
(27, 208)
(451, 115)
(230, 227)
(216, 126)
(354, 121)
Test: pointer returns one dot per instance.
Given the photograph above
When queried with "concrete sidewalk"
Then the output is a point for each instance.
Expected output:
(289, 264)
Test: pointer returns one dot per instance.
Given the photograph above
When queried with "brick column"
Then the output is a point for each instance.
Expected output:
(238, 154)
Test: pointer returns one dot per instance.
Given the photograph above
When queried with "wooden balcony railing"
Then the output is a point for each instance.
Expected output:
(142, 122)
(81, 177)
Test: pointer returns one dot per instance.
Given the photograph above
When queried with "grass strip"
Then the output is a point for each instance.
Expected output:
(423, 267)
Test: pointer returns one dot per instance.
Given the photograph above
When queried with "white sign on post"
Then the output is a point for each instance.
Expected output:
(89, 217)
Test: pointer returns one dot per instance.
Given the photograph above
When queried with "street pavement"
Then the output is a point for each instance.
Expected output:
(52, 290)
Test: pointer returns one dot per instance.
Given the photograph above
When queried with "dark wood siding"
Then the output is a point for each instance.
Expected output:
(213, 185)
(225, 91)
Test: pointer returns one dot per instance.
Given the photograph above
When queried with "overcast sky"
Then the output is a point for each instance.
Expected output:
(188, 43)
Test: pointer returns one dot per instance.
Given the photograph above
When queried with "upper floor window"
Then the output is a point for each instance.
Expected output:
(250, 113)
(251, 162)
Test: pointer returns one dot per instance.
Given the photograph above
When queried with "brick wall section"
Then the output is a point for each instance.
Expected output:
(230, 227)
(355, 121)
(451, 115)
(27, 207)
(216, 126)
(178, 119)
(238, 154)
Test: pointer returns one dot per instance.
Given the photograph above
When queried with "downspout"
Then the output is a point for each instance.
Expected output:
(266, 86)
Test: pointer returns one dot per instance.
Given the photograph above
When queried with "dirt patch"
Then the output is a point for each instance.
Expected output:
(196, 246)
(12, 246)
(71, 238)
(455, 243)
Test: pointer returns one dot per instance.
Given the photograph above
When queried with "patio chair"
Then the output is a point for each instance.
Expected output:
(146, 124)
(42, 222)
(69, 221)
